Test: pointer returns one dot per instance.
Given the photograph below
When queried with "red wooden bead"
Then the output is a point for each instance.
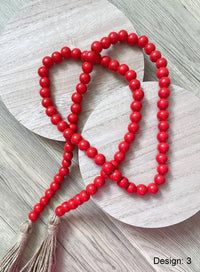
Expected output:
(115, 164)
(163, 147)
(81, 88)
(105, 61)
(134, 84)
(77, 97)
(51, 110)
(99, 182)
(49, 193)
(132, 38)
(65, 207)
(83, 145)
(73, 127)
(64, 171)
(162, 169)
(45, 92)
(113, 65)
(84, 196)
(131, 188)
(138, 94)
(58, 178)
(164, 82)
(55, 119)
(96, 46)
(108, 167)
(163, 115)
(159, 179)
(46, 102)
(129, 137)
(142, 41)
(47, 61)
(113, 37)
(87, 67)
(130, 74)
(56, 57)
(62, 125)
(55, 186)
(68, 156)
(44, 82)
(91, 152)
(155, 55)
(133, 127)
(149, 47)
(76, 138)
(44, 201)
(161, 62)
(136, 105)
(164, 92)
(43, 71)
(116, 176)
(162, 136)
(77, 199)
(33, 216)
(76, 108)
(105, 42)
(162, 104)
(122, 69)
(72, 118)
(69, 147)
(66, 52)
(38, 208)
(152, 188)
(123, 183)
(163, 125)
(90, 56)
(59, 211)
(67, 133)
(123, 35)
(99, 159)
(84, 78)
(76, 53)
(141, 189)
(161, 158)
(72, 204)
(66, 163)
(91, 189)
(124, 146)
(162, 72)
(135, 116)
(119, 156)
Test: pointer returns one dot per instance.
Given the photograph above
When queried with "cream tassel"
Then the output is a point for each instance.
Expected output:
(45, 258)
(11, 261)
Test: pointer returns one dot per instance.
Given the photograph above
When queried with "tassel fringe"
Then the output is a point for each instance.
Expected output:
(44, 259)
(11, 261)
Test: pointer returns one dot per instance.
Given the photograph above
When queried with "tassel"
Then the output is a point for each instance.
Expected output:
(44, 259)
(11, 261)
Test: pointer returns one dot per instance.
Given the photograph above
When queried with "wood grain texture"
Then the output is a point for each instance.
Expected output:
(90, 240)
(105, 129)
(37, 30)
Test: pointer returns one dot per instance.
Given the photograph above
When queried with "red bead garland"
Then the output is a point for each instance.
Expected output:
(108, 169)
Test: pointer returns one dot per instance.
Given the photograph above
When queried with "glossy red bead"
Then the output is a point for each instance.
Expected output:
(96, 46)
(133, 127)
(164, 92)
(116, 175)
(115, 164)
(55, 186)
(159, 179)
(76, 108)
(64, 171)
(81, 88)
(83, 145)
(66, 163)
(66, 52)
(65, 207)
(113, 65)
(162, 136)
(163, 147)
(124, 146)
(136, 106)
(38, 208)
(73, 127)
(119, 156)
(46, 102)
(58, 178)
(162, 72)
(76, 53)
(47, 61)
(84, 55)
(99, 159)
(105, 42)
(123, 36)
(55, 119)
(99, 182)
(77, 199)
(72, 204)
(155, 55)
(91, 189)
(105, 61)
(77, 97)
(84, 78)
(161, 158)
(162, 169)
(49, 193)
(141, 189)
(123, 183)
(44, 201)
(161, 62)
(51, 110)
(163, 115)
(91, 152)
(138, 94)
(108, 167)
(149, 47)
(91, 56)
(130, 74)
(103, 174)
(113, 37)
(135, 116)
(72, 118)
(162, 104)
(76, 138)
(152, 188)
(44, 82)
(87, 67)
(68, 156)
(129, 137)
(132, 38)
(122, 69)
(131, 188)
(84, 196)
(163, 125)
(45, 92)
(134, 84)
(56, 57)
(33, 216)
(69, 147)
(67, 133)
(59, 211)
(62, 125)
(43, 71)
(164, 82)
(142, 41)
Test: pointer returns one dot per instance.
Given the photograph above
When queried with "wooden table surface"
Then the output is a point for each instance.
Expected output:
(96, 241)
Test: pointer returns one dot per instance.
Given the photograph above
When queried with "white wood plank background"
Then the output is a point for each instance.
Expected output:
(28, 163)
